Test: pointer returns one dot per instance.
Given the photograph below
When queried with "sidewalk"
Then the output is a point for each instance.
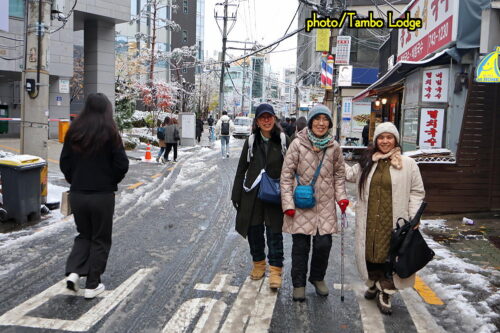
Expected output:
(13, 145)
(479, 243)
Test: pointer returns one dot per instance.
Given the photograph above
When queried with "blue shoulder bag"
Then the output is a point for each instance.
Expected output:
(303, 196)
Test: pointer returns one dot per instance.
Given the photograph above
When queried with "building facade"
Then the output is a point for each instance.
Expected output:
(92, 24)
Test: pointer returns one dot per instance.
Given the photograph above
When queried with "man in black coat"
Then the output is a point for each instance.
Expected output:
(199, 128)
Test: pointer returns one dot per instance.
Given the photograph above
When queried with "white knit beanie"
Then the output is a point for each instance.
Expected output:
(386, 127)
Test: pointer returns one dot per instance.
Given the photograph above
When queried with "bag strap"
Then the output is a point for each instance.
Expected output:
(255, 182)
(316, 173)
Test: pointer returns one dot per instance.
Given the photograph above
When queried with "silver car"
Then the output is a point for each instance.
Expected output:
(242, 127)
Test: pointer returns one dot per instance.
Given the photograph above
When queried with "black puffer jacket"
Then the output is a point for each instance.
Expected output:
(251, 210)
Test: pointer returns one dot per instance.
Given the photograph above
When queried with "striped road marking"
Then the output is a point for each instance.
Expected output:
(19, 315)
(156, 176)
(134, 186)
(423, 320)
(427, 294)
(370, 315)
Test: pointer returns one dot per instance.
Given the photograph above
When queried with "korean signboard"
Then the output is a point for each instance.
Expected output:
(343, 54)
(346, 108)
(431, 128)
(435, 85)
(322, 39)
(439, 29)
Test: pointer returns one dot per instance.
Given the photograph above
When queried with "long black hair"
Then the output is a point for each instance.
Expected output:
(366, 164)
(94, 127)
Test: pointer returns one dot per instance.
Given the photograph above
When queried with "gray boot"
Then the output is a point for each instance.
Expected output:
(321, 288)
(299, 294)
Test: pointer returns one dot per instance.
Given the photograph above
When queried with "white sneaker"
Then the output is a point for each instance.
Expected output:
(72, 282)
(163, 160)
(91, 293)
(158, 160)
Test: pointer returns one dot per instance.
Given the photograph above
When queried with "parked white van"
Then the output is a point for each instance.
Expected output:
(242, 127)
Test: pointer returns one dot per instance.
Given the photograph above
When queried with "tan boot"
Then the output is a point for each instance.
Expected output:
(275, 277)
(258, 270)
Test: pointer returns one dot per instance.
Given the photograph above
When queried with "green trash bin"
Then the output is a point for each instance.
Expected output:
(20, 175)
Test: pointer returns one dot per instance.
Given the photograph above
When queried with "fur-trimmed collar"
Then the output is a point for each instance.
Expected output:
(394, 156)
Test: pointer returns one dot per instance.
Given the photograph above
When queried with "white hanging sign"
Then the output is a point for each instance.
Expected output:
(435, 85)
(431, 128)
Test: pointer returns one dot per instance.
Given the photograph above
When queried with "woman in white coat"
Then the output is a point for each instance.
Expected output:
(389, 186)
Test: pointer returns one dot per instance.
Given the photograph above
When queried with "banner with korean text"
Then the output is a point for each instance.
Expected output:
(439, 29)
(431, 128)
(435, 85)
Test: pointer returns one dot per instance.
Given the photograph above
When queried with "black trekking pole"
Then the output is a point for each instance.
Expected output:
(343, 224)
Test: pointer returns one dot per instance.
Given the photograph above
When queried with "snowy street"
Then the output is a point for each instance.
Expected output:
(177, 265)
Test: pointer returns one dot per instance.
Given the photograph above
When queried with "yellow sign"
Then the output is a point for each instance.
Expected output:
(488, 70)
(322, 40)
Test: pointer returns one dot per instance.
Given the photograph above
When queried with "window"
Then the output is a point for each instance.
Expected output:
(184, 36)
(16, 8)
(185, 6)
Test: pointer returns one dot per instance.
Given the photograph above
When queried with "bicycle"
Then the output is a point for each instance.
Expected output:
(351, 141)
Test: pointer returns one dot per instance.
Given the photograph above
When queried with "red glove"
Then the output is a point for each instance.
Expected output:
(343, 205)
(290, 212)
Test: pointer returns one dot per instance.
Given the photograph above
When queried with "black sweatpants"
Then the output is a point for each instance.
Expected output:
(93, 213)
(257, 244)
(169, 148)
(300, 257)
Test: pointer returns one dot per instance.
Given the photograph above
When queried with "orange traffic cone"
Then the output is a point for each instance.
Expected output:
(148, 153)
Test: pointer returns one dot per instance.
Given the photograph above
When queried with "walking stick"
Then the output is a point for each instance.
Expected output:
(343, 224)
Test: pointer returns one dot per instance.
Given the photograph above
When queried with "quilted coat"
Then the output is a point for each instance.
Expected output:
(407, 195)
(301, 159)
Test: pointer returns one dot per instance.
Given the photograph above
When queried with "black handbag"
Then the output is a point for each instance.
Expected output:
(409, 252)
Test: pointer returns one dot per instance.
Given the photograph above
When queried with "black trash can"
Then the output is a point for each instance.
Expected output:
(21, 189)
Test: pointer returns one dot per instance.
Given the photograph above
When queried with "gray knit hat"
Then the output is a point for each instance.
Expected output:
(317, 110)
(386, 127)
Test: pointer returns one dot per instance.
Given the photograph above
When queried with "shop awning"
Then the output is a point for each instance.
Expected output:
(399, 72)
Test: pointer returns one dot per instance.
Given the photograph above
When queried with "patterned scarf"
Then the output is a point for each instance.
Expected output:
(320, 143)
(394, 155)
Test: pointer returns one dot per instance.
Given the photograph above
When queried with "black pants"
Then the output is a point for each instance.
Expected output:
(300, 256)
(93, 215)
(258, 245)
(169, 148)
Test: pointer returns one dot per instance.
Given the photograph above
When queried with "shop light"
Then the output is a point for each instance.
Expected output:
(377, 103)
(384, 101)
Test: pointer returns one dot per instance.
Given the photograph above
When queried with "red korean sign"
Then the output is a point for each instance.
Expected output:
(431, 128)
(439, 29)
(435, 85)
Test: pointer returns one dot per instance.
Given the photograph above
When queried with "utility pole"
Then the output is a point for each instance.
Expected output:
(35, 78)
(225, 32)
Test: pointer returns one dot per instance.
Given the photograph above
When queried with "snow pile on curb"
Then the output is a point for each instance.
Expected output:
(469, 291)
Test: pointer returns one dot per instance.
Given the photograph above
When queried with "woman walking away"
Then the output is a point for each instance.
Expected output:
(171, 139)
(389, 186)
(199, 128)
(264, 149)
(300, 124)
(315, 159)
(161, 139)
(93, 161)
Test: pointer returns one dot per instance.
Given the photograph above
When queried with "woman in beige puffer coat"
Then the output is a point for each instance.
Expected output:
(303, 158)
(389, 187)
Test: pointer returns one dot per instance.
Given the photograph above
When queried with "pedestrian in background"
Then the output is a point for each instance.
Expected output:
(224, 129)
(314, 149)
(161, 139)
(389, 186)
(365, 133)
(300, 124)
(93, 161)
(292, 127)
(199, 128)
(172, 138)
(256, 218)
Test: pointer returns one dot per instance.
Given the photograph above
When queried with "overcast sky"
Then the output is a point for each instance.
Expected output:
(263, 21)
